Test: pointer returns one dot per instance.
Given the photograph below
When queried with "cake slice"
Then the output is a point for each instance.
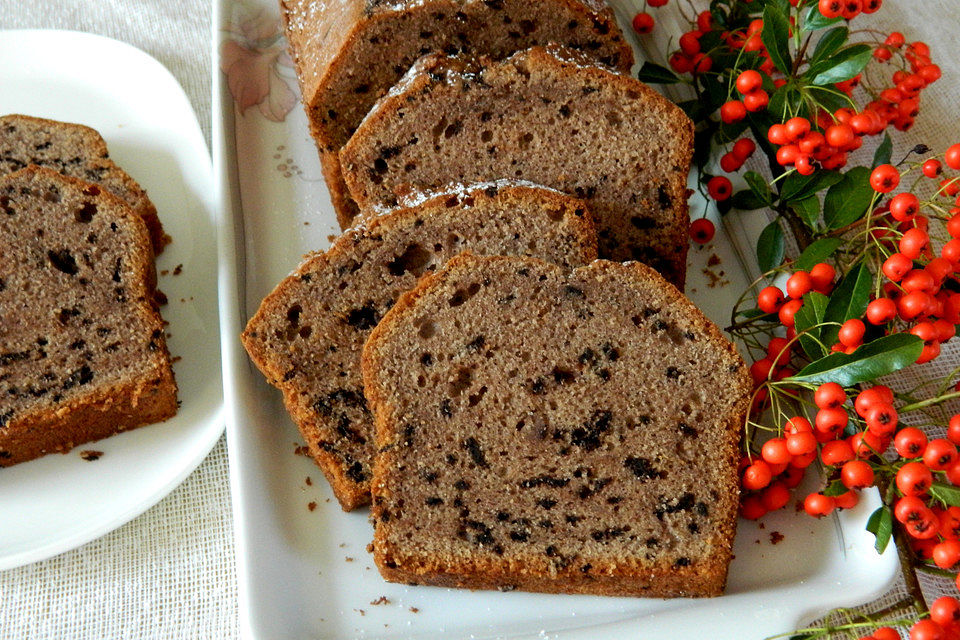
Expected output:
(349, 53)
(82, 348)
(557, 431)
(76, 151)
(307, 336)
(547, 116)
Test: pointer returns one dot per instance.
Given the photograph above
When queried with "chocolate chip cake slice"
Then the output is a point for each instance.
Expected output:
(542, 115)
(82, 348)
(307, 336)
(551, 430)
(76, 151)
(349, 53)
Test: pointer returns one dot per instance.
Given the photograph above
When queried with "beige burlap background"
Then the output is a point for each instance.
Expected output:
(170, 573)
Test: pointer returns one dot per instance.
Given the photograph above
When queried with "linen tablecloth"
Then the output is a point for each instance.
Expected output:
(170, 573)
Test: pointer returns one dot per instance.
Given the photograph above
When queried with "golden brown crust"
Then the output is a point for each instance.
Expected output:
(149, 397)
(705, 576)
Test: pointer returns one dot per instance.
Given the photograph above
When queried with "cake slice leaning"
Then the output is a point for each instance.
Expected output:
(308, 333)
(82, 347)
(587, 445)
(349, 53)
(547, 115)
(76, 151)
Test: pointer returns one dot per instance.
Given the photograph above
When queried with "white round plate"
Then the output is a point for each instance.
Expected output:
(60, 502)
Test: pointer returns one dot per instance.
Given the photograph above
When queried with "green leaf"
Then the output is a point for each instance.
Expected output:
(776, 37)
(746, 201)
(883, 152)
(770, 247)
(834, 489)
(806, 320)
(809, 210)
(869, 362)
(848, 300)
(880, 524)
(948, 494)
(818, 251)
(829, 43)
(798, 187)
(816, 20)
(849, 199)
(655, 74)
(758, 185)
(842, 66)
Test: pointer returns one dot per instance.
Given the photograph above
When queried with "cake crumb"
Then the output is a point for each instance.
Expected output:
(761, 526)
(414, 610)
(331, 237)
(300, 450)
(343, 545)
(361, 612)
(177, 270)
(380, 600)
(776, 537)
(165, 272)
(306, 224)
(311, 506)
(715, 279)
(90, 455)
(176, 358)
(369, 547)
(713, 260)
(309, 481)
(348, 559)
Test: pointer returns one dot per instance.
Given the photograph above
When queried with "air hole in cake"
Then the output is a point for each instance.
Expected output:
(475, 398)
(53, 196)
(293, 315)
(453, 129)
(63, 261)
(525, 140)
(613, 118)
(305, 332)
(86, 212)
(414, 259)
(461, 382)
(462, 295)
(427, 329)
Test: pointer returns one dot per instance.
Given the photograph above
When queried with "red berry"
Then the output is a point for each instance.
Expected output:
(932, 168)
(909, 508)
(831, 420)
(770, 299)
(800, 444)
(952, 157)
(760, 370)
(657, 3)
(643, 23)
(733, 111)
(885, 633)
(839, 135)
(751, 508)
(730, 163)
(719, 188)
(851, 333)
(757, 476)
(702, 230)
(704, 21)
(822, 275)
(774, 451)
(788, 311)
(951, 251)
(945, 610)
(818, 505)
(881, 311)
(756, 100)
(914, 478)
(946, 554)
(831, 8)
(881, 419)
(904, 206)
(776, 496)
(799, 284)
(896, 266)
(913, 242)
(777, 134)
(913, 304)
(910, 442)
(918, 280)
(748, 81)
(953, 429)
(885, 178)
(788, 154)
(875, 395)
(926, 630)
(829, 395)
(836, 452)
(940, 454)
(743, 148)
(797, 128)
(856, 474)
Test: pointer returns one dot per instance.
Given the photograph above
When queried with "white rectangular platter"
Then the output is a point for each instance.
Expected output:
(304, 571)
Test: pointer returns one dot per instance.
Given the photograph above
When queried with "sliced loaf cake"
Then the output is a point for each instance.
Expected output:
(557, 431)
(82, 348)
(542, 115)
(307, 336)
(76, 151)
(349, 53)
